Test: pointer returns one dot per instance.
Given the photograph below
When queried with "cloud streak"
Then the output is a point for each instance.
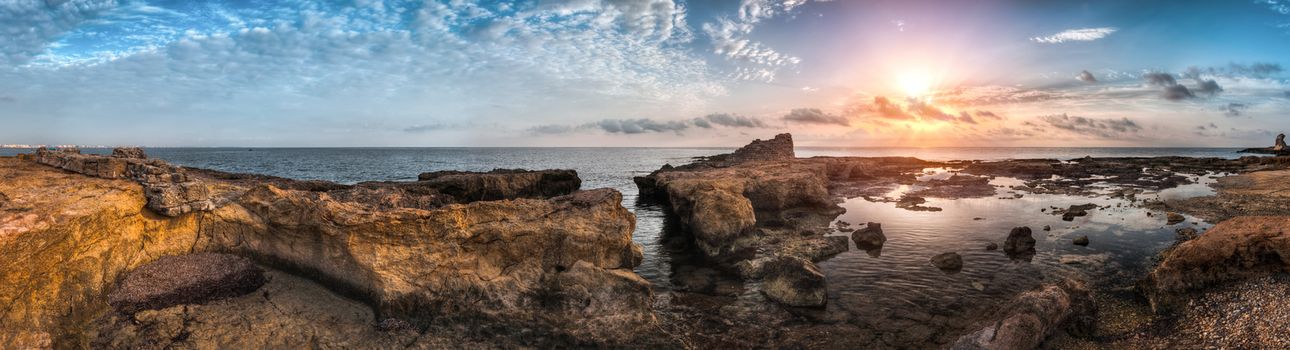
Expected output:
(1082, 34)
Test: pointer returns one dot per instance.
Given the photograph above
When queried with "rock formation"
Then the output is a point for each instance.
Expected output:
(1019, 242)
(794, 282)
(558, 265)
(169, 189)
(1033, 316)
(870, 237)
(1238, 248)
(1278, 148)
(950, 262)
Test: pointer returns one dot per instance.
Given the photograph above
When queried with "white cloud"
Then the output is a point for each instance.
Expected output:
(754, 60)
(1084, 34)
(27, 27)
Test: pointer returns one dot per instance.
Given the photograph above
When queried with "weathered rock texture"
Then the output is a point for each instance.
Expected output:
(795, 282)
(1238, 248)
(168, 188)
(559, 265)
(502, 184)
(1257, 193)
(1033, 316)
(185, 279)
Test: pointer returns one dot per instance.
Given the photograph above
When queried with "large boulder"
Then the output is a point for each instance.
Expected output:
(1019, 242)
(794, 282)
(185, 279)
(949, 262)
(1033, 316)
(129, 152)
(869, 237)
(1238, 248)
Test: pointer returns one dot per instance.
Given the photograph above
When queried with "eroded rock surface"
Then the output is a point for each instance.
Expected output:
(557, 265)
(1035, 315)
(1238, 248)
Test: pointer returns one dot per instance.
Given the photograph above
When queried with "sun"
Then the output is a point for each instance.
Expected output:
(915, 84)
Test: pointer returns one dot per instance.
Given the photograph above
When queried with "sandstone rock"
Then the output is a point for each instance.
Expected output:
(1173, 218)
(1081, 241)
(870, 237)
(950, 262)
(185, 279)
(1019, 242)
(1234, 249)
(1186, 234)
(129, 152)
(1034, 315)
(559, 266)
(778, 148)
(794, 282)
(169, 189)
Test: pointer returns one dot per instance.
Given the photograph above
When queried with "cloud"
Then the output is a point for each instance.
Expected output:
(426, 128)
(1208, 87)
(729, 39)
(729, 120)
(1160, 79)
(1234, 109)
(815, 116)
(927, 111)
(640, 126)
(29, 26)
(1086, 77)
(7, 99)
(988, 114)
(1177, 92)
(964, 117)
(1083, 34)
(1105, 128)
(551, 129)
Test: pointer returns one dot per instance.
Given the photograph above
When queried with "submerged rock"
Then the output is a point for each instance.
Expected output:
(1030, 318)
(950, 262)
(1019, 242)
(185, 279)
(1075, 211)
(992, 246)
(1081, 241)
(870, 237)
(794, 282)
(1173, 218)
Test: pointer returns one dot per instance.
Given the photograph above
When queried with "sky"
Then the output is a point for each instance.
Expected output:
(654, 73)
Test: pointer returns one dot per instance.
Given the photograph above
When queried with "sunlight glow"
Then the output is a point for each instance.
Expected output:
(915, 84)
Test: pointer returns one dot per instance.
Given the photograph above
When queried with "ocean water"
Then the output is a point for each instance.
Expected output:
(877, 289)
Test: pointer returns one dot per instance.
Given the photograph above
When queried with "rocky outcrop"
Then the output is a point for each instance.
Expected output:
(1035, 315)
(794, 282)
(869, 237)
(129, 152)
(1234, 249)
(1278, 148)
(185, 279)
(170, 191)
(559, 266)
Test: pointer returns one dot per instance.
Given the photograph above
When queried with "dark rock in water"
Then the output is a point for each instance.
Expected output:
(914, 203)
(129, 152)
(1186, 234)
(1075, 211)
(870, 237)
(1026, 321)
(1048, 228)
(950, 262)
(1172, 218)
(992, 246)
(185, 279)
(1019, 242)
(502, 183)
(794, 282)
(1082, 240)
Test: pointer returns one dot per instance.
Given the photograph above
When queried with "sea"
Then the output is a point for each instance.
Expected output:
(865, 287)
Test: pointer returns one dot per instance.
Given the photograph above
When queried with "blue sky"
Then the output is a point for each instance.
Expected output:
(644, 73)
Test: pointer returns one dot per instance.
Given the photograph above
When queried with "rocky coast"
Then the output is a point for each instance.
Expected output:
(123, 251)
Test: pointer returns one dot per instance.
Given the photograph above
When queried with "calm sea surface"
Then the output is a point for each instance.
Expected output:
(864, 287)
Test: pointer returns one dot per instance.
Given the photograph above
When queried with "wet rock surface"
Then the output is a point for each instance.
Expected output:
(794, 282)
(1019, 242)
(1030, 318)
(869, 237)
(185, 279)
(949, 262)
